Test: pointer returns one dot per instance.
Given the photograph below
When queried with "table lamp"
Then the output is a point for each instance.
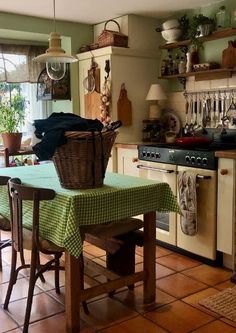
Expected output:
(155, 93)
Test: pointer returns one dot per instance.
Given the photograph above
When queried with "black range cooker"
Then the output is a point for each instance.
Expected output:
(198, 157)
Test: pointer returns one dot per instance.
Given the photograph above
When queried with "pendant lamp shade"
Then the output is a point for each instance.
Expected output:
(55, 57)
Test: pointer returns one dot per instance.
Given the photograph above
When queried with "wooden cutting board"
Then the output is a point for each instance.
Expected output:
(92, 104)
(124, 107)
(229, 56)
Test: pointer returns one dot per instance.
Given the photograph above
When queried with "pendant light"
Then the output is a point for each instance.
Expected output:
(55, 57)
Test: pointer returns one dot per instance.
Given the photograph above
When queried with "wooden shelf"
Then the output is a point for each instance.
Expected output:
(214, 36)
(211, 74)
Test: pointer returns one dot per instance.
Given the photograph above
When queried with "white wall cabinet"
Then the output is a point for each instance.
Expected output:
(226, 206)
(138, 69)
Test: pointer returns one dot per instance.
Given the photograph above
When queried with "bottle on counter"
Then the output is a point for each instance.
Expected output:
(233, 18)
(189, 62)
(221, 18)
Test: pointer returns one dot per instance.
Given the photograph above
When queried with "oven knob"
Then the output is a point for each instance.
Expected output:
(148, 154)
(187, 159)
(192, 159)
(204, 161)
(144, 154)
(199, 160)
(152, 155)
(157, 155)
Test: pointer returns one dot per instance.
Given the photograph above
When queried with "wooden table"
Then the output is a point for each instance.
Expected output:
(120, 197)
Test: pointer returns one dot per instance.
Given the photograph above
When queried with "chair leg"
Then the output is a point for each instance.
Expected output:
(13, 278)
(38, 268)
(32, 280)
(57, 273)
(84, 303)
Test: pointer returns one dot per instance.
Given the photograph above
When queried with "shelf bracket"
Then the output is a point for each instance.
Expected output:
(182, 80)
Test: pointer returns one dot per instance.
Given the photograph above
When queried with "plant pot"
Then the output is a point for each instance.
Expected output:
(204, 30)
(12, 141)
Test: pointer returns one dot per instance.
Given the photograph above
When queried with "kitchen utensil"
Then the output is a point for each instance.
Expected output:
(124, 107)
(89, 80)
(92, 102)
(186, 126)
(208, 111)
(229, 56)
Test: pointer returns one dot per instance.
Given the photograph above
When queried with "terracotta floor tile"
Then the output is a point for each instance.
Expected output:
(161, 251)
(178, 317)
(106, 312)
(7, 323)
(19, 291)
(138, 325)
(216, 326)
(195, 298)
(134, 299)
(229, 322)
(179, 285)
(161, 271)
(224, 285)
(56, 324)
(209, 275)
(43, 306)
(177, 262)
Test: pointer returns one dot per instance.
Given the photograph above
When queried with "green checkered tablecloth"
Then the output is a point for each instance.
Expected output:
(120, 197)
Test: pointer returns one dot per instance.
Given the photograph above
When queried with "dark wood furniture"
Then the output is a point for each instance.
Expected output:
(6, 155)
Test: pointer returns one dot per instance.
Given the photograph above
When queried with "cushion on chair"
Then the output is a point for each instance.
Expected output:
(44, 244)
(4, 224)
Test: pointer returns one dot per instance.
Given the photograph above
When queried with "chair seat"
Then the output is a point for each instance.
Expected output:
(4, 224)
(44, 244)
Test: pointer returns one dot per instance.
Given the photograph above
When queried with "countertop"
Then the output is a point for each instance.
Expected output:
(226, 154)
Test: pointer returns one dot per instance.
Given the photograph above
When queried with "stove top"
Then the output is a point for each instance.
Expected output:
(199, 157)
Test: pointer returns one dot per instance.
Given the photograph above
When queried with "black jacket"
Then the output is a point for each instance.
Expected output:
(51, 131)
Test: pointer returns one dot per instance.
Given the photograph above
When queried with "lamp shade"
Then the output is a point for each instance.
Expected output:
(155, 93)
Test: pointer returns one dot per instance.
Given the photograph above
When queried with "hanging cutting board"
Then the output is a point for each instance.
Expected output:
(124, 107)
(92, 104)
(229, 56)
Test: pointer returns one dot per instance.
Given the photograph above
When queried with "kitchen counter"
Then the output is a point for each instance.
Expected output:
(226, 154)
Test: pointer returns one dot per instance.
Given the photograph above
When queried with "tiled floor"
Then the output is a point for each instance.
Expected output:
(181, 283)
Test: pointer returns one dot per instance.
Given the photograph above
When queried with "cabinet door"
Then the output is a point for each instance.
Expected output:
(127, 161)
(226, 205)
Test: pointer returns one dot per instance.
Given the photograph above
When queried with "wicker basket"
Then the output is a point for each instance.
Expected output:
(112, 38)
(81, 162)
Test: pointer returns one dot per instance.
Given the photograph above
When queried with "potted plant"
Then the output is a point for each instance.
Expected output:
(200, 26)
(12, 114)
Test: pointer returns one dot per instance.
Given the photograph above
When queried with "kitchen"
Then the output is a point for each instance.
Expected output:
(176, 101)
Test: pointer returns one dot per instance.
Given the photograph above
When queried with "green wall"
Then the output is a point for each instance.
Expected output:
(20, 27)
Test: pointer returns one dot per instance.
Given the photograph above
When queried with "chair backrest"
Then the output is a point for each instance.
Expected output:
(17, 194)
(4, 180)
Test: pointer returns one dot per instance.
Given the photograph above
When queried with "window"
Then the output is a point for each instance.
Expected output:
(18, 75)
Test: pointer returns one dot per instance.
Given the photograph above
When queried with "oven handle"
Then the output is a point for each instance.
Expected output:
(144, 167)
(200, 176)
(203, 177)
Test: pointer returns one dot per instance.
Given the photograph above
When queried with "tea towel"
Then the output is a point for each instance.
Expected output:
(188, 202)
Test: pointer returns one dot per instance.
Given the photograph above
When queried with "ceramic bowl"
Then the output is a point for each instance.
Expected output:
(170, 24)
(171, 35)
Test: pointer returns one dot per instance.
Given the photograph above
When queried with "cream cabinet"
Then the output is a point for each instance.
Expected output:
(137, 69)
(127, 161)
(226, 206)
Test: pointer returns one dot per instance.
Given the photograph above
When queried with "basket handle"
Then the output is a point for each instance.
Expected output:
(105, 26)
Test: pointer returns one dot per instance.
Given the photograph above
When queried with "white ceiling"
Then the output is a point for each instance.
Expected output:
(96, 11)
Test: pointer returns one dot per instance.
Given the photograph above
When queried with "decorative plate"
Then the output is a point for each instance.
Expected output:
(171, 122)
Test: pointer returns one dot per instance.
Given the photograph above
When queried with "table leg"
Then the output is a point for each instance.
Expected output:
(72, 293)
(149, 287)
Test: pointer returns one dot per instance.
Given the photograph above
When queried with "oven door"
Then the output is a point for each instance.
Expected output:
(204, 242)
(165, 222)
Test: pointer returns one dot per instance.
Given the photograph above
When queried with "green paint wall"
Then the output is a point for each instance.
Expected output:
(74, 35)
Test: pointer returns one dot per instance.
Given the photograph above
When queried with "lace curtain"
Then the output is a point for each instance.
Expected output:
(16, 63)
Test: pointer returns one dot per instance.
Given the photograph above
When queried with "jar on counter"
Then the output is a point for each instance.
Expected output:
(182, 66)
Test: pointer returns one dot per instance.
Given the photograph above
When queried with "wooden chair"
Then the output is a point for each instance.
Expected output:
(5, 224)
(26, 239)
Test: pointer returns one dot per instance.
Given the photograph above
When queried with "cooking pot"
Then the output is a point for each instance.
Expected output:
(193, 141)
